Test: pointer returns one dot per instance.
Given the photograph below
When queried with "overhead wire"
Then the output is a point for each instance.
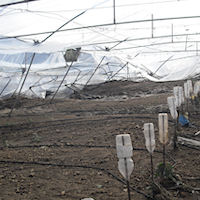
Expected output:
(138, 39)
(56, 11)
(51, 34)
(57, 30)
(170, 51)
(90, 8)
(103, 25)
(142, 38)
(122, 41)
(152, 44)
(54, 78)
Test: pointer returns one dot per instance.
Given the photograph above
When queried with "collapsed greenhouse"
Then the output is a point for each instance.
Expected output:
(81, 81)
(125, 50)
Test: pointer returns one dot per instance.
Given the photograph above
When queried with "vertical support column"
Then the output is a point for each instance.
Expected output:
(114, 17)
(186, 42)
(152, 27)
(94, 71)
(128, 74)
(69, 67)
(32, 58)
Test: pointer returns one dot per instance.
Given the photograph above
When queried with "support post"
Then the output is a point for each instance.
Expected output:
(114, 17)
(94, 71)
(175, 134)
(128, 189)
(186, 42)
(118, 71)
(58, 29)
(128, 73)
(33, 56)
(61, 82)
(152, 27)
(5, 86)
(164, 160)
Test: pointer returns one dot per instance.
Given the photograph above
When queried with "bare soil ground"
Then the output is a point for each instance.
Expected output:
(66, 150)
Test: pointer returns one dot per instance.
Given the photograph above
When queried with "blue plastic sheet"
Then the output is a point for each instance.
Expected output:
(183, 120)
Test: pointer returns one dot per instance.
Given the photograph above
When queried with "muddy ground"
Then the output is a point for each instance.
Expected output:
(66, 149)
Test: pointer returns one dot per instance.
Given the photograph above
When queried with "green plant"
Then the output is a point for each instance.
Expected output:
(164, 171)
(165, 174)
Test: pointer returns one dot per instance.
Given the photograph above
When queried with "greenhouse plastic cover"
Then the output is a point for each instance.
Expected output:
(147, 39)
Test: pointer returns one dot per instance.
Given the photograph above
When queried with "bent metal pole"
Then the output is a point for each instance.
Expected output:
(61, 82)
(32, 58)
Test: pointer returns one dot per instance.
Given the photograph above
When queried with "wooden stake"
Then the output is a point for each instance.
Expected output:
(128, 189)
(175, 135)
(164, 155)
(152, 173)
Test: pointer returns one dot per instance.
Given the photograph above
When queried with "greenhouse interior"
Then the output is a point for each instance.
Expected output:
(99, 100)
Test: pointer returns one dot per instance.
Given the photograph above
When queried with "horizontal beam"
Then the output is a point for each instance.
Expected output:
(16, 2)
(103, 25)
